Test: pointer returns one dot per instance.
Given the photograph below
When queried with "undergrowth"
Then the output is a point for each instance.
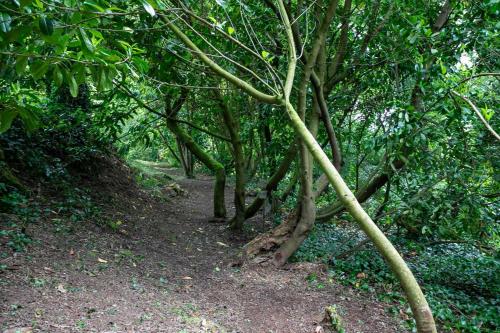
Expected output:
(21, 210)
(461, 283)
(43, 172)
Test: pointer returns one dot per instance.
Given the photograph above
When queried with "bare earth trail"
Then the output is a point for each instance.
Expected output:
(166, 269)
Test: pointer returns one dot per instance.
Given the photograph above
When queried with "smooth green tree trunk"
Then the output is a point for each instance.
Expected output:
(216, 167)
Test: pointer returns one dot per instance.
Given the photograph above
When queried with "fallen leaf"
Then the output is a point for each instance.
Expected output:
(222, 244)
(403, 315)
(48, 269)
(60, 288)
(38, 312)
(90, 273)
(319, 329)
(71, 252)
(102, 261)
(361, 275)
(186, 278)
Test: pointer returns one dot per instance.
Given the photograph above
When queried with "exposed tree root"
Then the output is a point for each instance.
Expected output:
(266, 242)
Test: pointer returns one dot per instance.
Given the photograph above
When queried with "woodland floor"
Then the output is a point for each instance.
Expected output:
(166, 269)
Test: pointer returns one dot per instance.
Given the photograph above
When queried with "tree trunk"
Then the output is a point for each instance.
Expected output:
(306, 211)
(287, 237)
(291, 185)
(365, 193)
(233, 128)
(186, 159)
(418, 303)
(217, 168)
(272, 183)
(307, 208)
(189, 164)
(205, 158)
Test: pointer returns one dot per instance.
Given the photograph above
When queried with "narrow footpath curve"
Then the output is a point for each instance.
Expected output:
(167, 269)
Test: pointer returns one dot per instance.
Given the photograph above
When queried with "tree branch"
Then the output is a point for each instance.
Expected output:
(478, 113)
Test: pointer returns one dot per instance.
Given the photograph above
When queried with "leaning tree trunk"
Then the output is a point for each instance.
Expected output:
(210, 162)
(306, 210)
(364, 193)
(418, 303)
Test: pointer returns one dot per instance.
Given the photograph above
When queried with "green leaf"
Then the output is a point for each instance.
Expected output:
(230, 30)
(97, 35)
(73, 86)
(141, 64)
(38, 69)
(105, 80)
(221, 3)
(79, 72)
(86, 41)
(108, 83)
(264, 54)
(487, 113)
(94, 5)
(108, 55)
(29, 118)
(57, 76)
(24, 3)
(21, 63)
(75, 18)
(443, 69)
(46, 26)
(7, 115)
(5, 21)
(147, 6)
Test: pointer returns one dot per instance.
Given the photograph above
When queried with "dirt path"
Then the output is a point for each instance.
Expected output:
(166, 269)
